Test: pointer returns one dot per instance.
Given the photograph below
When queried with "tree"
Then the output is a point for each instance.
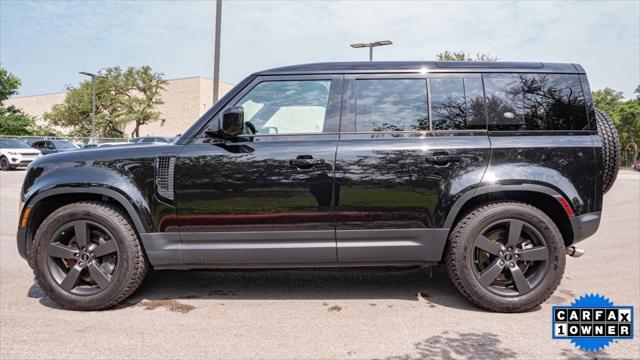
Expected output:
(608, 100)
(141, 93)
(9, 84)
(462, 56)
(122, 97)
(14, 121)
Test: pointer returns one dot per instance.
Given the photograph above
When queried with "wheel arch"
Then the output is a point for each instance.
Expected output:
(45, 202)
(542, 197)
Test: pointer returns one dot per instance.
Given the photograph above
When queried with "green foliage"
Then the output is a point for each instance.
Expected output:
(462, 56)
(14, 121)
(122, 97)
(9, 84)
(626, 116)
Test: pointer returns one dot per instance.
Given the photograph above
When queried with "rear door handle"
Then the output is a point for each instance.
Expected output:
(305, 162)
(442, 158)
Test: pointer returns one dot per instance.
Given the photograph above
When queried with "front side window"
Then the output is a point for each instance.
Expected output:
(391, 105)
(285, 107)
(457, 103)
(535, 102)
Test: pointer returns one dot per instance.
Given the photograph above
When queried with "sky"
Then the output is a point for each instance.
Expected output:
(46, 43)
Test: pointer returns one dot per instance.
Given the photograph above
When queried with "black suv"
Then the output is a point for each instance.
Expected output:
(495, 169)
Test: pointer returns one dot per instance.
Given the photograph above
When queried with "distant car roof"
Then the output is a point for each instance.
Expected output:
(418, 66)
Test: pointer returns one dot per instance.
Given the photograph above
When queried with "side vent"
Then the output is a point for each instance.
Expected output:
(164, 176)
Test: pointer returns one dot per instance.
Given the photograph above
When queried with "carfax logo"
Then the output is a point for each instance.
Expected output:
(592, 322)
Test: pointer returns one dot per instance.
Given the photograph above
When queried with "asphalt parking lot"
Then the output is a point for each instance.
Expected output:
(314, 314)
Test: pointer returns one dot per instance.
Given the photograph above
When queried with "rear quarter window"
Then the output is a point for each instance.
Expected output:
(457, 103)
(535, 102)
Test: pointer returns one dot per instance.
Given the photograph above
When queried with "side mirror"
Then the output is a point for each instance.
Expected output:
(230, 125)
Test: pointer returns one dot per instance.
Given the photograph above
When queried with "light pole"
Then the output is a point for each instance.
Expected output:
(93, 106)
(371, 46)
(216, 55)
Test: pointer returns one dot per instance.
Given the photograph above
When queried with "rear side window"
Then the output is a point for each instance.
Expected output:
(457, 103)
(535, 102)
(391, 105)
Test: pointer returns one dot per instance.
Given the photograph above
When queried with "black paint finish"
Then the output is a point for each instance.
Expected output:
(338, 197)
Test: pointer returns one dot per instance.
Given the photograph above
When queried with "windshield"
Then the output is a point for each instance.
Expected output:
(13, 144)
(64, 145)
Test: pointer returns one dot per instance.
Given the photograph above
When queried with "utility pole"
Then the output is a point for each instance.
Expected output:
(216, 55)
(93, 106)
(371, 46)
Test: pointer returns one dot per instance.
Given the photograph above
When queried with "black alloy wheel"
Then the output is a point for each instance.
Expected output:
(87, 256)
(82, 257)
(506, 256)
(510, 257)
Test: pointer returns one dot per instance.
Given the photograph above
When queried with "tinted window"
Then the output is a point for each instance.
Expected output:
(457, 103)
(535, 102)
(391, 105)
(38, 144)
(63, 145)
(281, 107)
(13, 144)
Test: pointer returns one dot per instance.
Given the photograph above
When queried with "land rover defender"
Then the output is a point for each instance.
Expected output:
(494, 169)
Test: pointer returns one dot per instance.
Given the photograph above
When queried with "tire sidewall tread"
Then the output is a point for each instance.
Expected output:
(460, 247)
(132, 264)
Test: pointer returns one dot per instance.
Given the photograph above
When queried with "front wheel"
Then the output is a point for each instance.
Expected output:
(4, 164)
(86, 256)
(506, 257)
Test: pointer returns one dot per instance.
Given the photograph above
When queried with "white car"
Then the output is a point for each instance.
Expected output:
(14, 153)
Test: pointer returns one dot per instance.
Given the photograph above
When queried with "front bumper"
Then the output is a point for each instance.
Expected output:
(19, 160)
(585, 225)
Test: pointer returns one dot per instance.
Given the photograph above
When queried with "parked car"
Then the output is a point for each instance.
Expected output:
(16, 153)
(54, 146)
(489, 168)
(152, 140)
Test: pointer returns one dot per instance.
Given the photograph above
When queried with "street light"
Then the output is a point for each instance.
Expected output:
(216, 55)
(371, 46)
(93, 105)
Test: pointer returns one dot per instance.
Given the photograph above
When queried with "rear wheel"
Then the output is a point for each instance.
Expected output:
(87, 256)
(506, 257)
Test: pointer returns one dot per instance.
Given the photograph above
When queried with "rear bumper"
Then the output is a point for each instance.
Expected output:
(585, 225)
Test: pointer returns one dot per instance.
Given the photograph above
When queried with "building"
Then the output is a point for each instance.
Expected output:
(185, 100)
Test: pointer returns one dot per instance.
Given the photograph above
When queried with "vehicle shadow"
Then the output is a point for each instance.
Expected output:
(410, 284)
(459, 345)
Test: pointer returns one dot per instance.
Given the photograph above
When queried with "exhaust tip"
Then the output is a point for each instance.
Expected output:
(574, 251)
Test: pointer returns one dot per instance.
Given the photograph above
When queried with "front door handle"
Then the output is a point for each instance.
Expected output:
(442, 158)
(305, 162)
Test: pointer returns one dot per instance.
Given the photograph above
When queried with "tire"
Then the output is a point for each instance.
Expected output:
(4, 164)
(610, 149)
(109, 268)
(464, 258)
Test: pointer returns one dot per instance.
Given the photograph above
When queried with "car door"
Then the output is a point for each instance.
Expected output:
(410, 145)
(267, 196)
